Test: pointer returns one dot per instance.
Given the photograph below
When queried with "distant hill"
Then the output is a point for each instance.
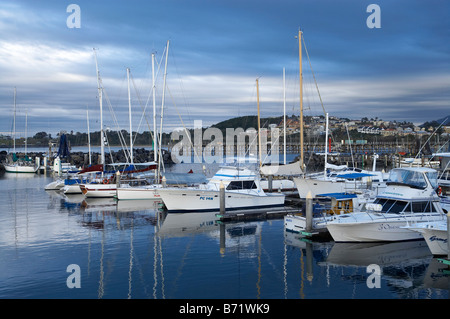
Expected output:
(436, 123)
(246, 122)
(443, 119)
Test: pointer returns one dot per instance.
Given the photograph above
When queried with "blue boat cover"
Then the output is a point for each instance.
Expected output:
(338, 195)
(354, 175)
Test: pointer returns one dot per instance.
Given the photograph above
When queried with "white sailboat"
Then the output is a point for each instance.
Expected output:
(409, 198)
(338, 179)
(149, 191)
(20, 165)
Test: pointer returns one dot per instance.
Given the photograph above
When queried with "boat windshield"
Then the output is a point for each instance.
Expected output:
(433, 177)
(408, 177)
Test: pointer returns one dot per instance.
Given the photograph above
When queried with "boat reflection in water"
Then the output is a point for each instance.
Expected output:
(407, 268)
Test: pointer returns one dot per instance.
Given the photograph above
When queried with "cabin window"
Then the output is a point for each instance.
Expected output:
(423, 207)
(237, 185)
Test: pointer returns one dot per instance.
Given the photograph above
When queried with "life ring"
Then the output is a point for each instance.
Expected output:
(439, 190)
(105, 181)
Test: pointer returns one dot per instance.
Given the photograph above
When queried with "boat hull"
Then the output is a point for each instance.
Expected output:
(316, 186)
(72, 189)
(132, 193)
(20, 169)
(436, 237)
(182, 200)
(99, 190)
(378, 229)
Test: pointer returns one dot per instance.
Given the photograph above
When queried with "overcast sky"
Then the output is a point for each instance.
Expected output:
(217, 50)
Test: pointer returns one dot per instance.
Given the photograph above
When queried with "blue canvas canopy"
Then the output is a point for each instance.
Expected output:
(63, 150)
(338, 196)
(354, 175)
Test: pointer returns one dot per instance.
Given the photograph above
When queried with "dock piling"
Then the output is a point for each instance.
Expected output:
(222, 198)
(309, 209)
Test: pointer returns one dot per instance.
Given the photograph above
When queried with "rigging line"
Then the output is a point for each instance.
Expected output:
(121, 138)
(420, 150)
(314, 77)
(184, 126)
(143, 111)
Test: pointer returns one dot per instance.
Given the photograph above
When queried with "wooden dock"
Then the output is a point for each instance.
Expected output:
(256, 214)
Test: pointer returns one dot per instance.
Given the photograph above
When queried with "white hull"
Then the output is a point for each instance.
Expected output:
(436, 237)
(72, 189)
(55, 185)
(13, 168)
(144, 192)
(279, 185)
(297, 223)
(317, 186)
(379, 228)
(196, 200)
(99, 190)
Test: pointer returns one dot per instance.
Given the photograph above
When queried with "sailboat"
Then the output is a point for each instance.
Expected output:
(148, 190)
(335, 179)
(241, 186)
(15, 164)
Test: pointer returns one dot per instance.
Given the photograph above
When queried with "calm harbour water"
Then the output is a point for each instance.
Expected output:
(132, 249)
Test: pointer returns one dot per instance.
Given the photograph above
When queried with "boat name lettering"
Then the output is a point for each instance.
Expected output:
(206, 198)
(435, 238)
(387, 227)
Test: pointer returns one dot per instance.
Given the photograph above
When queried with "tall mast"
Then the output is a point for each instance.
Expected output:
(89, 135)
(301, 96)
(26, 130)
(162, 109)
(100, 98)
(129, 116)
(284, 115)
(259, 124)
(326, 147)
(155, 134)
(14, 121)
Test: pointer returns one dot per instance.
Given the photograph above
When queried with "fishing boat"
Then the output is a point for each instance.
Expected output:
(435, 235)
(242, 191)
(409, 198)
(324, 209)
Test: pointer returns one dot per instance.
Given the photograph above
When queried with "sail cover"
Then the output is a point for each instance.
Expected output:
(288, 169)
(63, 150)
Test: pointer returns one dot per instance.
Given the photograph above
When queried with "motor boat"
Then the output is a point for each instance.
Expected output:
(409, 198)
(242, 191)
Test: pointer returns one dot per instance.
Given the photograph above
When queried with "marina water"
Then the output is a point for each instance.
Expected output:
(135, 250)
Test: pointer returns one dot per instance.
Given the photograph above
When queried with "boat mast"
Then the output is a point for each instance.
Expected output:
(301, 97)
(326, 147)
(155, 134)
(162, 110)
(14, 122)
(89, 135)
(26, 130)
(100, 97)
(129, 116)
(284, 114)
(259, 123)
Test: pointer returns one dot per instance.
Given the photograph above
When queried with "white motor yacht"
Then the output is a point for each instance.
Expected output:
(242, 191)
(409, 198)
